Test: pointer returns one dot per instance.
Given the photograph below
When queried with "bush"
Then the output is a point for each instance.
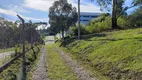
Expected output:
(74, 30)
(123, 23)
(99, 19)
(100, 26)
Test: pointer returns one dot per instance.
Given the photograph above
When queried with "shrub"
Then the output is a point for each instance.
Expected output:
(74, 30)
(100, 26)
(123, 23)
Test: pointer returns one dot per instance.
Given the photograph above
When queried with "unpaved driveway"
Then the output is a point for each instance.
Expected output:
(49, 39)
(81, 73)
(41, 71)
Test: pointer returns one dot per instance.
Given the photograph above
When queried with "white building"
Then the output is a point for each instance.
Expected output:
(85, 17)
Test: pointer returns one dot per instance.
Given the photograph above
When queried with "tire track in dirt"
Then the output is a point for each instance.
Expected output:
(81, 73)
(41, 72)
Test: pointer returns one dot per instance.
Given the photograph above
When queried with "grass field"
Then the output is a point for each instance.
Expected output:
(6, 50)
(57, 69)
(115, 54)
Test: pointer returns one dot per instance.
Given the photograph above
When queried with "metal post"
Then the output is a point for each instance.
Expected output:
(22, 30)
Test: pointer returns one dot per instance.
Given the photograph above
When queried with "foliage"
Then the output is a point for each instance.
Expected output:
(102, 23)
(62, 15)
(137, 2)
(117, 53)
(135, 18)
(74, 30)
(99, 24)
(124, 22)
(6, 50)
(13, 72)
(118, 9)
(10, 33)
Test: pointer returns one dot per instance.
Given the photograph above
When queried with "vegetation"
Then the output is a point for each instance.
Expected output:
(32, 60)
(74, 30)
(115, 54)
(118, 9)
(62, 15)
(10, 33)
(57, 69)
(13, 72)
(6, 50)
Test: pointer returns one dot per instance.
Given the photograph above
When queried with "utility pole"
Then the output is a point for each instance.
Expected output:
(22, 41)
(78, 19)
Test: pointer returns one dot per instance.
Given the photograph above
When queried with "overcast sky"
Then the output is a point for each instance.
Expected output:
(37, 10)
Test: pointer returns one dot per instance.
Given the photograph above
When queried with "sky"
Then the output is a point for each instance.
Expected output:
(37, 10)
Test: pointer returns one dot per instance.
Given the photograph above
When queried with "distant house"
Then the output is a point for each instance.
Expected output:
(85, 17)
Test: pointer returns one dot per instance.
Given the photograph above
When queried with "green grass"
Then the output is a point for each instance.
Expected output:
(6, 50)
(57, 69)
(33, 62)
(13, 72)
(117, 55)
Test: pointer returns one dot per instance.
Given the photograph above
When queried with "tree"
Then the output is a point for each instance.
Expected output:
(61, 16)
(137, 2)
(117, 9)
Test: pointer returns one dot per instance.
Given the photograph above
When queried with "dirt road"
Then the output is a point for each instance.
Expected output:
(80, 72)
(41, 71)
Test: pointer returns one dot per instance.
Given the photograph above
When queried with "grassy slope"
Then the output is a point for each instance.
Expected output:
(116, 54)
(57, 69)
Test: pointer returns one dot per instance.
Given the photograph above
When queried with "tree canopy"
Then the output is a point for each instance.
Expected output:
(61, 16)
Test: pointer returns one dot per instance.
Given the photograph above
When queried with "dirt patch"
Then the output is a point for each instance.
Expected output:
(81, 73)
(41, 71)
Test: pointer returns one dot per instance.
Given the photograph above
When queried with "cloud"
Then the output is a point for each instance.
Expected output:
(88, 7)
(44, 5)
(18, 8)
(8, 12)
(35, 19)
(14, 14)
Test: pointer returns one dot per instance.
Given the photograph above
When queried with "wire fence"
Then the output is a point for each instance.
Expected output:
(16, 39)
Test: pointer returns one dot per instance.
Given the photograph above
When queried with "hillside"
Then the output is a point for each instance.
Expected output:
(115, 54)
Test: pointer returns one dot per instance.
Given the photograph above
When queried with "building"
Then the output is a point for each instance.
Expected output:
(85, 17)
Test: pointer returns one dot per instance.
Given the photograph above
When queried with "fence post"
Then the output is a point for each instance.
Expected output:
(22, 40)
